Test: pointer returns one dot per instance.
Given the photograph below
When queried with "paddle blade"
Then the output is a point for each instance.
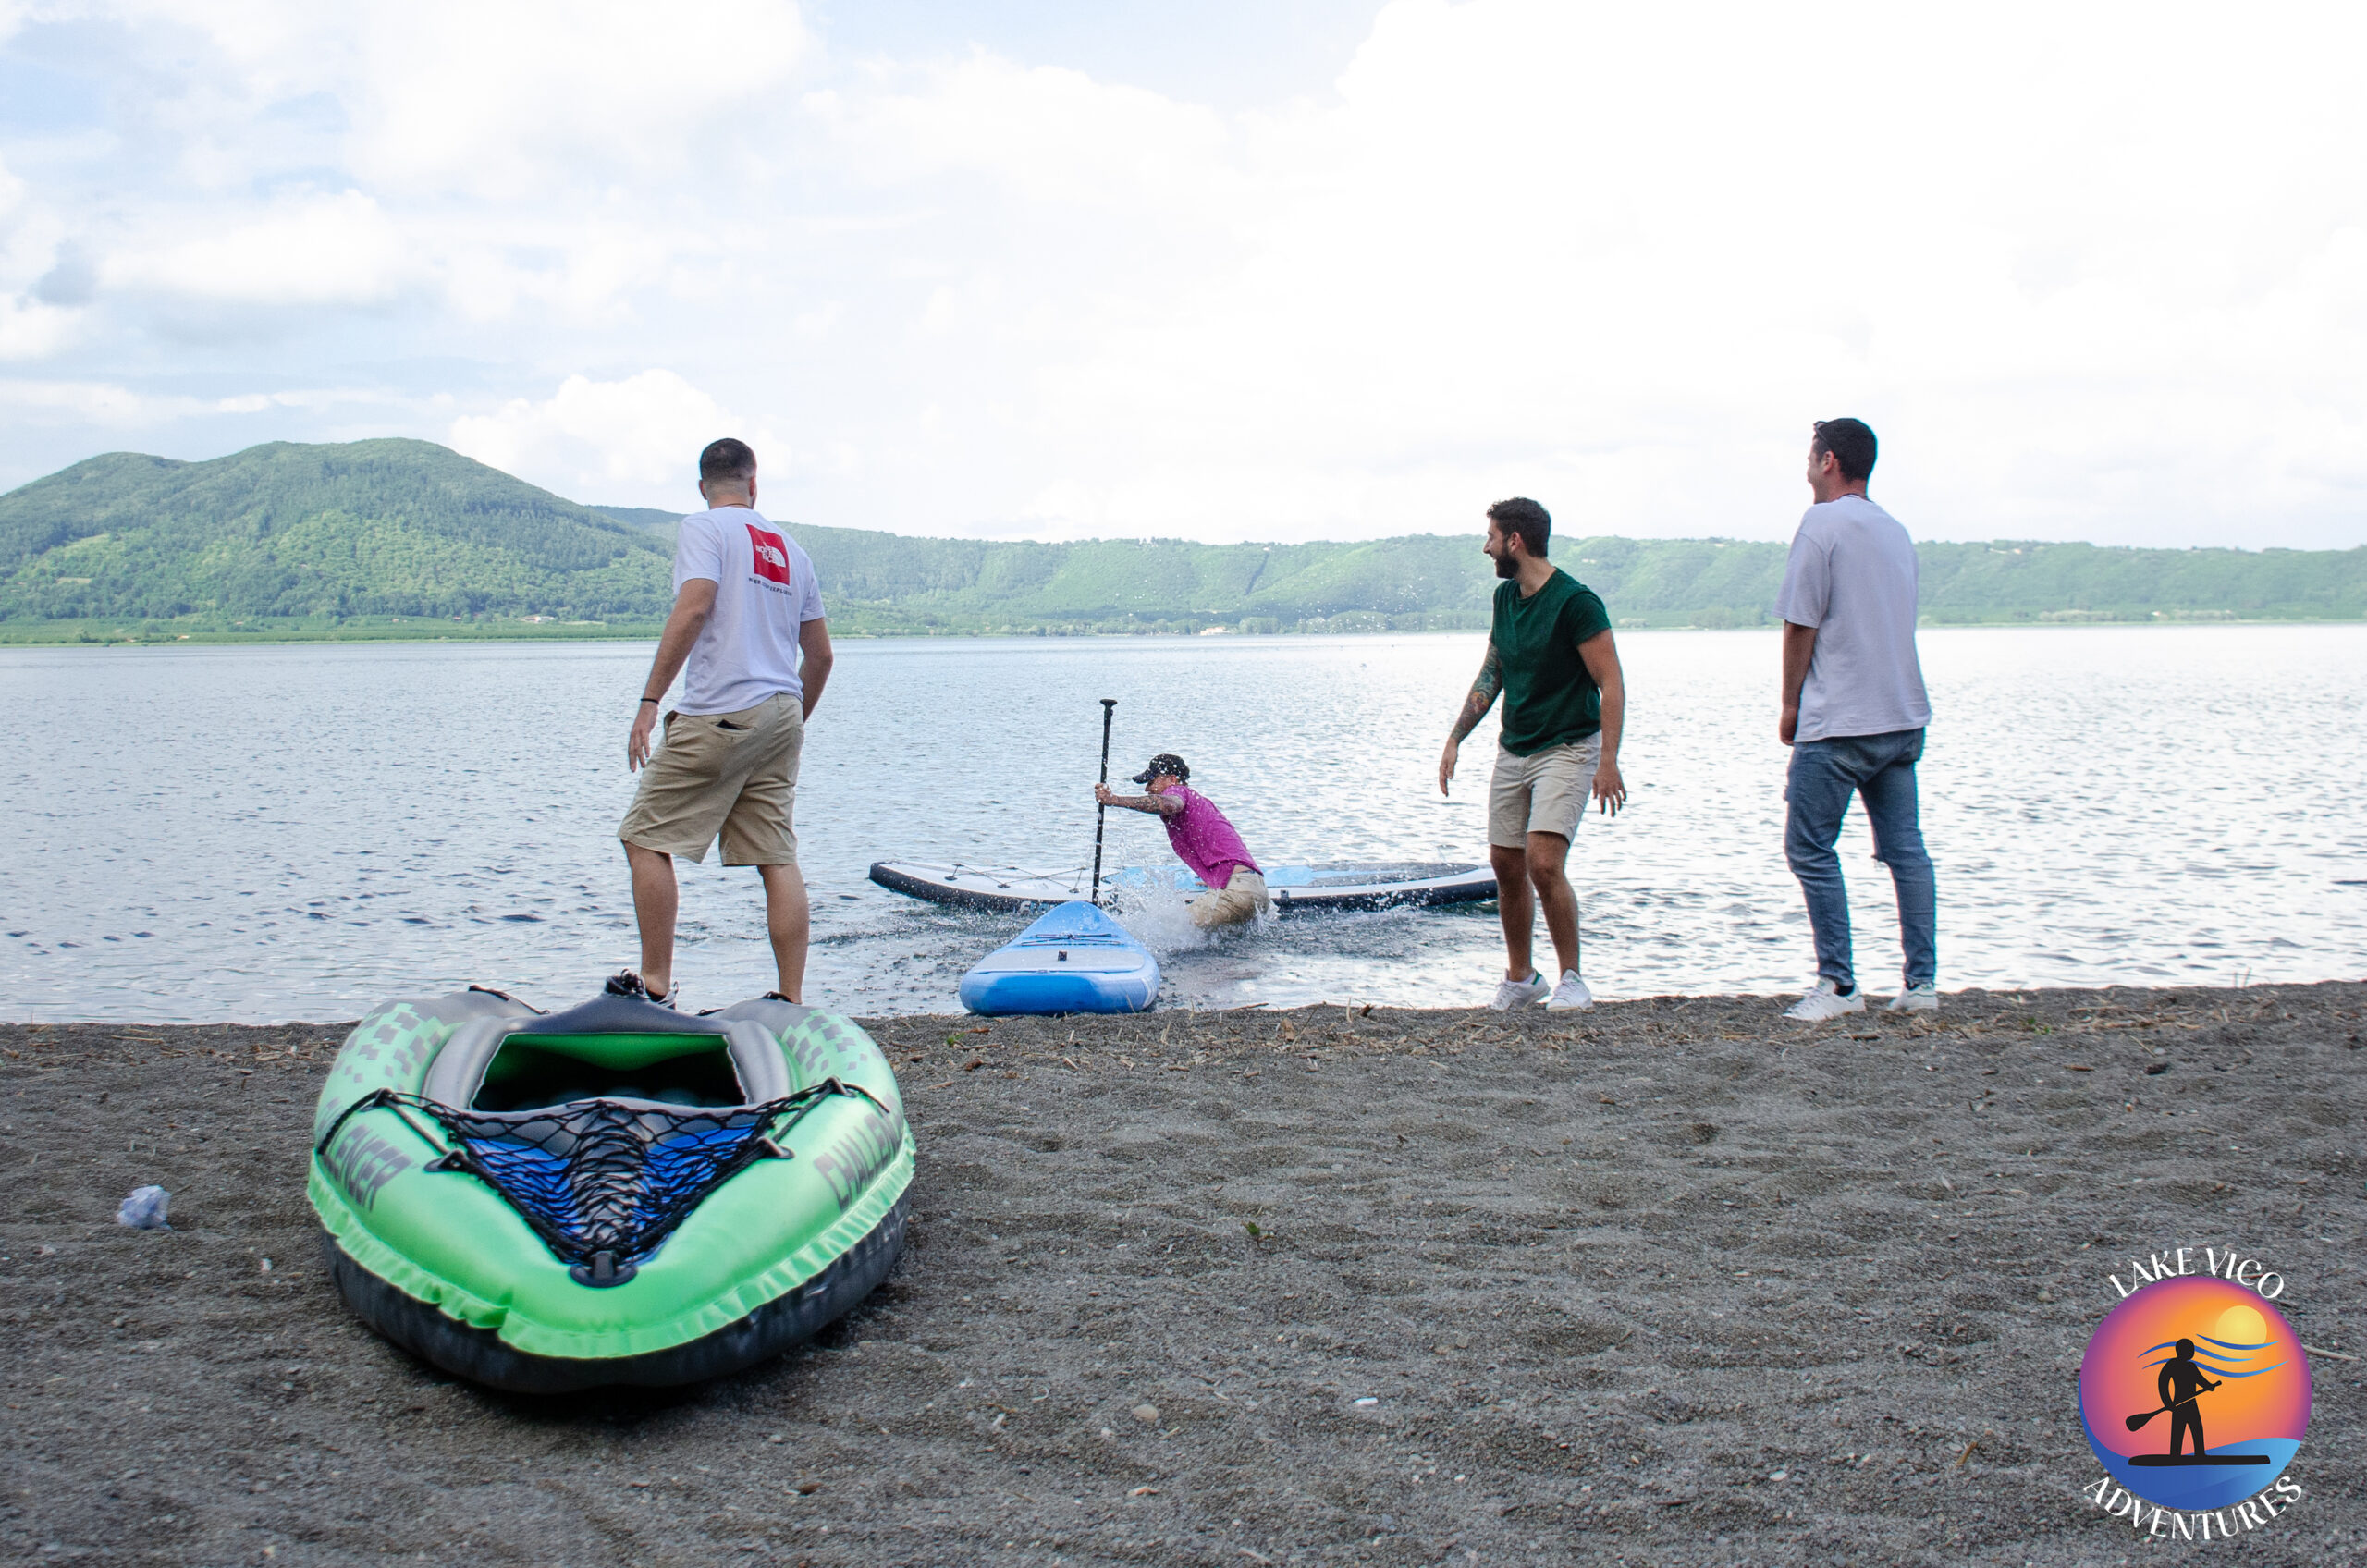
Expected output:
(2137, 1421)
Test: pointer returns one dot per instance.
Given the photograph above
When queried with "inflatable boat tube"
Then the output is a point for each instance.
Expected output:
(614, 1193)
(1074, 960)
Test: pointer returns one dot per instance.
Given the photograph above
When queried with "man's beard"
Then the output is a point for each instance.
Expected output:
(1507, 565)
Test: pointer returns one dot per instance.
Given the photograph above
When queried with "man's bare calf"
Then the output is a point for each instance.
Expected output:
(1523, 880)
(657, 901)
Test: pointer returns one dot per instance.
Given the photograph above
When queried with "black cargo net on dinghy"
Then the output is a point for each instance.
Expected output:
(604, 1182)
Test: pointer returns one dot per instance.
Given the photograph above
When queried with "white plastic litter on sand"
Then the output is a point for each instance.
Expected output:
(144, 1210)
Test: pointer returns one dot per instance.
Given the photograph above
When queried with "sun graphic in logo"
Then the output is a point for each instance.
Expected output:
(2195, 1394)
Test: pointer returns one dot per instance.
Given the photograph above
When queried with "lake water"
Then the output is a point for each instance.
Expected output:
(273, 833)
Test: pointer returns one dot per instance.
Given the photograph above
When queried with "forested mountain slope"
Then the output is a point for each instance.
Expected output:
(336, 540)
(362, 528)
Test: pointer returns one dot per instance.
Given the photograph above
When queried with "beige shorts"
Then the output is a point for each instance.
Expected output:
(1544, 792)
(730, 773)
(1241, 899)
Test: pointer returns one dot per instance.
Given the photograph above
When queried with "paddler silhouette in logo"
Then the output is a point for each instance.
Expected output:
(2213, 1356)
(2181, 1382)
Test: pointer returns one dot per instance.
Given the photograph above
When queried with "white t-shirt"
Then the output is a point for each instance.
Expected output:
(1852, 575)
(764, 590)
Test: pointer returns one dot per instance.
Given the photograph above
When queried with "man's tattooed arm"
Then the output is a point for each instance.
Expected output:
(1475, 708)
(1157, 805)
(1483, 694)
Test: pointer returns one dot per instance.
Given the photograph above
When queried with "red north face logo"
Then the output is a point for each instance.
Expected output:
(772, 555)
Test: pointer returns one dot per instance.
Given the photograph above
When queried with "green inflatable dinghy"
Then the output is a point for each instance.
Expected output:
(614, 1193)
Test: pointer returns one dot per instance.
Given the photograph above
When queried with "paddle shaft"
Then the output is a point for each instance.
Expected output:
(1108, 707)
(2137, 1421)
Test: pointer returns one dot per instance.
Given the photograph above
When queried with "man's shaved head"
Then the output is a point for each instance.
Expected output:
(728, 462)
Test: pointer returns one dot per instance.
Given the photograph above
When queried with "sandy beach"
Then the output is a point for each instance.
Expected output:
(1673, 1281)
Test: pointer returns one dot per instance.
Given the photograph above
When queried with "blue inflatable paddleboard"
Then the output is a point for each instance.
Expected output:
(1074, 960)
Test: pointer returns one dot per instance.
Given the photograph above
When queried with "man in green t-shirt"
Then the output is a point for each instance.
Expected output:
(1550, 653)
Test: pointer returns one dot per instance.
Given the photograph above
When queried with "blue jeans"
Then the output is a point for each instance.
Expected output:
(1881, 770)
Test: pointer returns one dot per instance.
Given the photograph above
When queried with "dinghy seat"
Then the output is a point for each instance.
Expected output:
(604, 1044)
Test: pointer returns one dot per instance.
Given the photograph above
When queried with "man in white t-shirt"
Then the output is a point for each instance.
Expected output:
(1854, 714)
(746, 605)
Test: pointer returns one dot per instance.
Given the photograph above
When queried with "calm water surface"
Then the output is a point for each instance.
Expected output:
(260, 834)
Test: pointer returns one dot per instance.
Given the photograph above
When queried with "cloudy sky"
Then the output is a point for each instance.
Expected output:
(1267, 269)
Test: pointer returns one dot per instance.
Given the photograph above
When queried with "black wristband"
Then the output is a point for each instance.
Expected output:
(649, 700)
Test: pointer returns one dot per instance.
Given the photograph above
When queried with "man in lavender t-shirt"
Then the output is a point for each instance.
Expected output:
(1203, 839)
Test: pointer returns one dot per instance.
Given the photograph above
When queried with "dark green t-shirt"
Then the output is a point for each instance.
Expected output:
(1550, 700)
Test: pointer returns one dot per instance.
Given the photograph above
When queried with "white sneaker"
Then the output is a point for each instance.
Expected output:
(1917, 998)
(1824, 1002)
(1521, 993)
(1571, 995)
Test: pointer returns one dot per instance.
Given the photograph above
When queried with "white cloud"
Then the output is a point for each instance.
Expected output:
(508, 154)
(502, 97)
(612, 441)
(309, 398)
(31, 330)
(1623, 256)
(1047, 133)
(2111, 284)
(529, 96)
(35, 322)
(115, 406)
(338, 249)
(102, 404)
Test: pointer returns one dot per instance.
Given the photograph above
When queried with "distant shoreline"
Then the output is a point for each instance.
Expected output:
(52, 634)
(398, 540)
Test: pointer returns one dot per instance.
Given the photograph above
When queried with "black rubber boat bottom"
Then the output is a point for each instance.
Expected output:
(483, 1357)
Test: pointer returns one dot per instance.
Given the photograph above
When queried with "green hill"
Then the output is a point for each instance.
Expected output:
(285, 532)
(404, 538)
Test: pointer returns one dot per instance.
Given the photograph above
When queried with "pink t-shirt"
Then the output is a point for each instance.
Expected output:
(1204, 841)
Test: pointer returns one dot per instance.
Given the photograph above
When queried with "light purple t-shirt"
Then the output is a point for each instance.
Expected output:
(1852, 575)
(1204, 841)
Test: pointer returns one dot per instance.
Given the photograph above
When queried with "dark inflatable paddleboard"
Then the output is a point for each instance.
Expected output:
(1296, 890)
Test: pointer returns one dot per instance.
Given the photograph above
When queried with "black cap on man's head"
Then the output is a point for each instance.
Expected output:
(1162, 764)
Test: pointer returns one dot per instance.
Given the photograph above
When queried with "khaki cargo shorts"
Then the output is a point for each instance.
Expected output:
(730, 773)
(1241, 899)
(1544, 792)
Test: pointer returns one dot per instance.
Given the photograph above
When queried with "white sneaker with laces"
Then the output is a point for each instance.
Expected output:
(1521, 993)
(1917, 998)
(1826, 1001)
(1571, 995)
